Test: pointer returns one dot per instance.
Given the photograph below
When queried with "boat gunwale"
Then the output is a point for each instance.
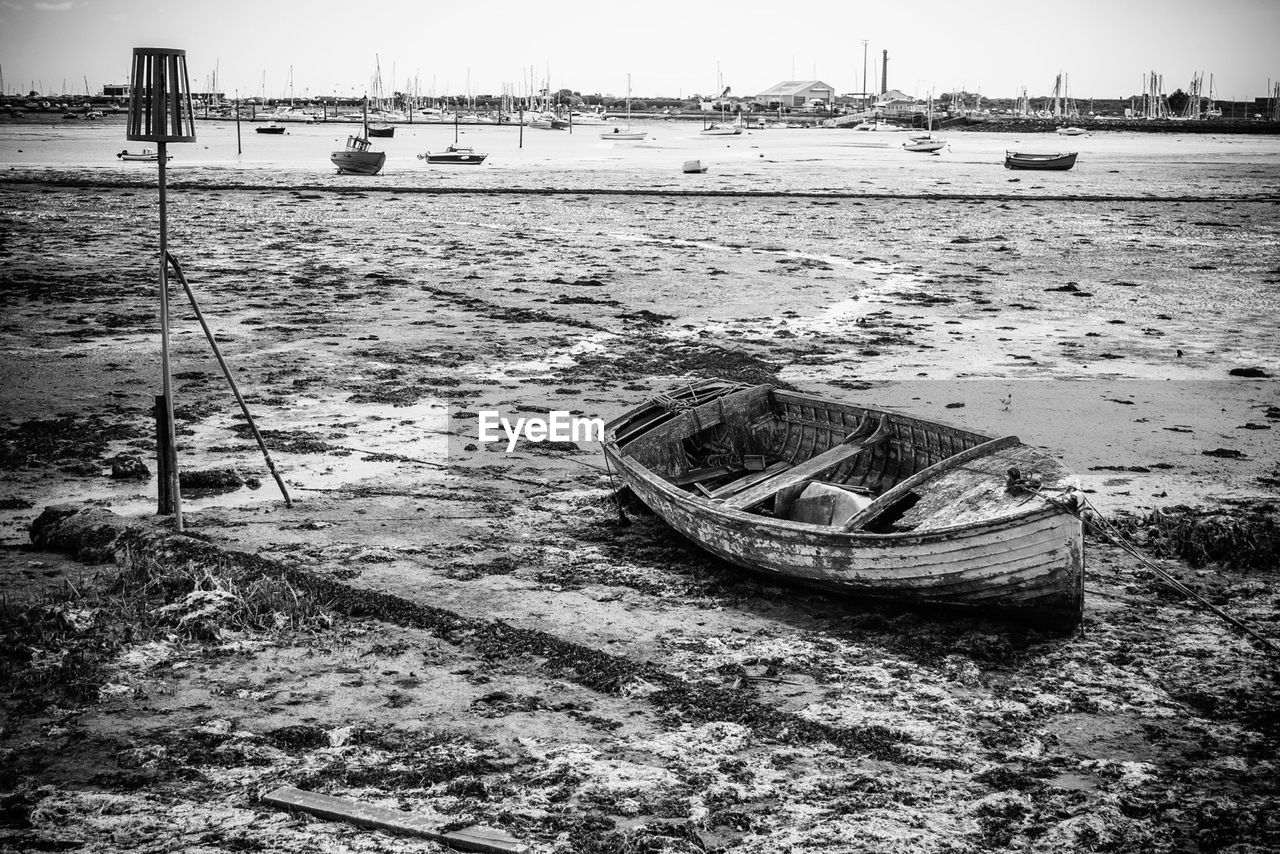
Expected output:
(707, 507)
(901, 416)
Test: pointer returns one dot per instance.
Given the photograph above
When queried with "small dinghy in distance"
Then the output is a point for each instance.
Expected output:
(924, 144)
(147, 155)
(865, 501)
(461, 155)
(1058, 162)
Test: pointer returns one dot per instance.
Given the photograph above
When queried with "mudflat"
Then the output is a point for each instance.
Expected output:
(484, 642)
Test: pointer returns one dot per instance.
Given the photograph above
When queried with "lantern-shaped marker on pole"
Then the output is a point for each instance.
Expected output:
(160, 112)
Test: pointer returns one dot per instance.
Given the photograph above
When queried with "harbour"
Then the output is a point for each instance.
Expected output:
(847, 497)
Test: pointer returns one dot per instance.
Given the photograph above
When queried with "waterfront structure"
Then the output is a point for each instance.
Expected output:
(897, 104)
(796, 93)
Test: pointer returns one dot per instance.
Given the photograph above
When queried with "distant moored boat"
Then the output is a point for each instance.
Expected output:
(456, 154)
(1058, 162)
(356, 158)
(147, 156)
(629, 134)
(720, 129)
(925, 143)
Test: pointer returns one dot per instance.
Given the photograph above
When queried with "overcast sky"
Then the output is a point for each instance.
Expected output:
(668, 47)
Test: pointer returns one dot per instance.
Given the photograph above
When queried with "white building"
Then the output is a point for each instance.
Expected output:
(897, 103)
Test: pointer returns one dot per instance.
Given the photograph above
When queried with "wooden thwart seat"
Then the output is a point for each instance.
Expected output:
(734, 487)
(809, 469)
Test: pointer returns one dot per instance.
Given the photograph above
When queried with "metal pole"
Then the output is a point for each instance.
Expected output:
(522, 127)
(226, 371)
(239, 150)
(164, 500)
(864, 74)
(174, 481)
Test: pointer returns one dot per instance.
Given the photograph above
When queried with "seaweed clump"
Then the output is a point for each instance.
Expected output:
(1248, 539)
(65, 648)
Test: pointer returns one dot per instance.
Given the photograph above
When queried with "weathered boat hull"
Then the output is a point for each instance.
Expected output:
(1043, 162)
(1026, 565)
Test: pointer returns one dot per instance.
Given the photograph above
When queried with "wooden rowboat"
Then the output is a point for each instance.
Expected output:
(865, 501)
(1057, 162)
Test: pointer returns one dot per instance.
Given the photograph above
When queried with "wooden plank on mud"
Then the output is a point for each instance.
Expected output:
(340, 809)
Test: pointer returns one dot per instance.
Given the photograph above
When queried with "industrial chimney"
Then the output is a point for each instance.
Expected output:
(884, 73)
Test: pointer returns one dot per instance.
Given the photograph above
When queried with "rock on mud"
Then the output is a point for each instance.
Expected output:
(215, 480)
(87, 533)
(129, 467)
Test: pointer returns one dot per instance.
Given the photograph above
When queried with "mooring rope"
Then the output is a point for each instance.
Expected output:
(617, 496)
(1077, 504)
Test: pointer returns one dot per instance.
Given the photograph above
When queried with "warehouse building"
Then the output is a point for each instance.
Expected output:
(796, 93)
